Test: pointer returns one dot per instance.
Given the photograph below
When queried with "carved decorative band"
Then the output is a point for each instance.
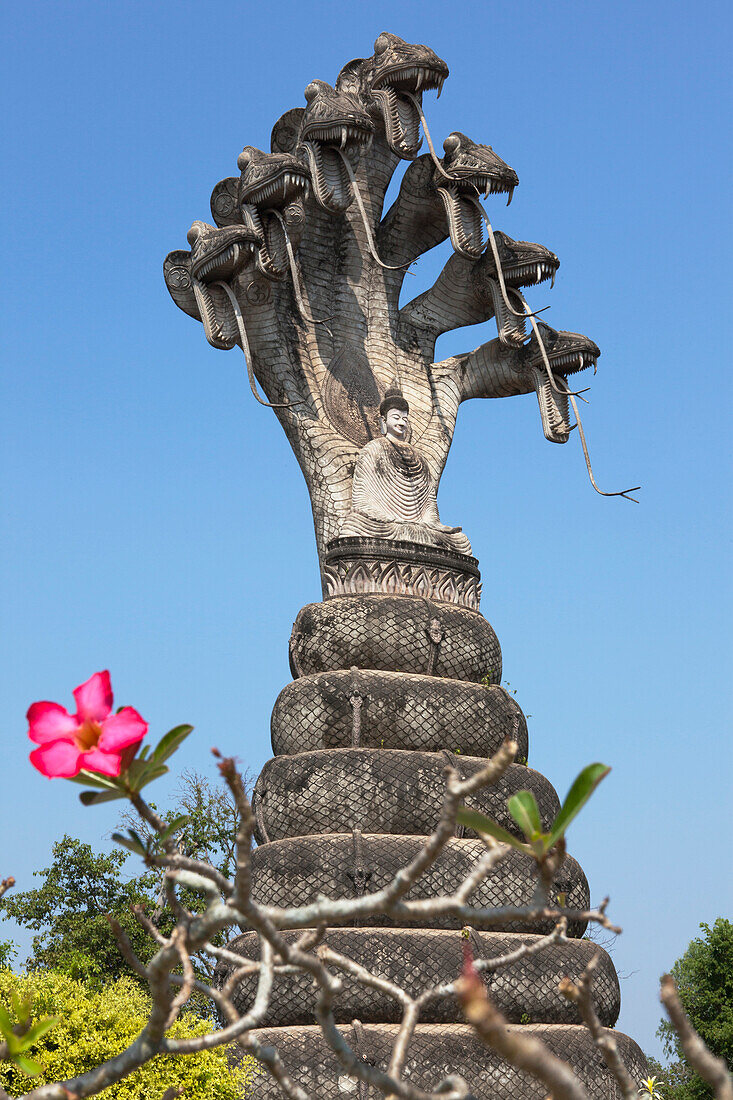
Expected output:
(357, 565)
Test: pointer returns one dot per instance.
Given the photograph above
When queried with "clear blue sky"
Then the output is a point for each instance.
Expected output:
(155, 521)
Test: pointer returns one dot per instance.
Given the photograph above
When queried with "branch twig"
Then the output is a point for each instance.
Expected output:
(706, 1065)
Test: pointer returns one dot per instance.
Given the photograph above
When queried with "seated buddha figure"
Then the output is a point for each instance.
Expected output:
(393, 495)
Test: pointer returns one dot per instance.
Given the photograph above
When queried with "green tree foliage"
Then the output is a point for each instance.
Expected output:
(8, 952)
(96, 1024)
(68, 912)
(674, 1079)
(704, 978)
(209, 834)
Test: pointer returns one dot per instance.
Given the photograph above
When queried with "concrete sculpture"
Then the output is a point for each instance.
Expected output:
(393, 495)
(396, 671)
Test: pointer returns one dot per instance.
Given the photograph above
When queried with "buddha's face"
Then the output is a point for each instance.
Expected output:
(396, 424)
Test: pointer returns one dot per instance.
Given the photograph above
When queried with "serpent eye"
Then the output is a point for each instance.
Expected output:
(381, 44)
(243, 159)
(311, 91)
(451, 144)
(194, 232)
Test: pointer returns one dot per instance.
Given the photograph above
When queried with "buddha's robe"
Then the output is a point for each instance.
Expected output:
(393, 496)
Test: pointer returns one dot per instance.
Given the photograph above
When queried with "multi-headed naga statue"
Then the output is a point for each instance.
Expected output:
(395, 671)
(305, 271)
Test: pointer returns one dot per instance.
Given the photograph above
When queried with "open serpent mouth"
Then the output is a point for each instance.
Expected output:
(272, 257)
(467, 172)
(523, 263)
(323, 146)
(220, 253)
(465, 221)
(285, 187)
(567, 353)
(529, 272)
(401, 116)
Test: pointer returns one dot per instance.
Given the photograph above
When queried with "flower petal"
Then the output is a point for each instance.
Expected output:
(59, 759)
(49, 722)
(108, 763)
(94, 698)
(121, 730)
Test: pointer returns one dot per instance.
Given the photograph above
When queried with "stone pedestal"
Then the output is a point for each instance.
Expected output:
(354, 566)
(396, 674)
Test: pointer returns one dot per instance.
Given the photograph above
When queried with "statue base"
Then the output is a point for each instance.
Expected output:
(355, 566)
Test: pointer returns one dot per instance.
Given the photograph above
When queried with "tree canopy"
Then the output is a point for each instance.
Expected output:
(68, 912)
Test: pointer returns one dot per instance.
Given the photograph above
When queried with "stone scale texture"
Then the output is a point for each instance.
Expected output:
(387, 691)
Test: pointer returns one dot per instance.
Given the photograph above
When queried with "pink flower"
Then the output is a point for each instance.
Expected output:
(93, 739)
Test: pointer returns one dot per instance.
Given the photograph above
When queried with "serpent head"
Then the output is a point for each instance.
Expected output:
(218, 254)
(469, 170)
(334, 122)
(568, 353)
(270, 195)
(523, 263)
(271, 180)
(396, 71)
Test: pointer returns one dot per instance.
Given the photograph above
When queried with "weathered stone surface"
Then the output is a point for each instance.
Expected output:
(439, 1049)
(304, 270)
(394, 710)
(354, 566)
(395, 634)
(380, 791)
(418, 959)
(295, 871)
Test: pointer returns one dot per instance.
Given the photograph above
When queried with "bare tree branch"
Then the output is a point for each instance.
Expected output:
(706, 1065)
(523, 1051)
(582, 995)
(171, 979)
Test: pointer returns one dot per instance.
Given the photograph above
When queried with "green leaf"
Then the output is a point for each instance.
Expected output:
(93, 779)
(474, 820)
(133, 844)
(28, 1065)
(174, 826)
(523, 808)
(6, 1026)
(142, 772)
(93, 798)
(14, 1044)
(37, 1030)
(169, 742)
(576, 798)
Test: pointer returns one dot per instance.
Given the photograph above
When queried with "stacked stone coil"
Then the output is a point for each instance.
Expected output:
(387, 691)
